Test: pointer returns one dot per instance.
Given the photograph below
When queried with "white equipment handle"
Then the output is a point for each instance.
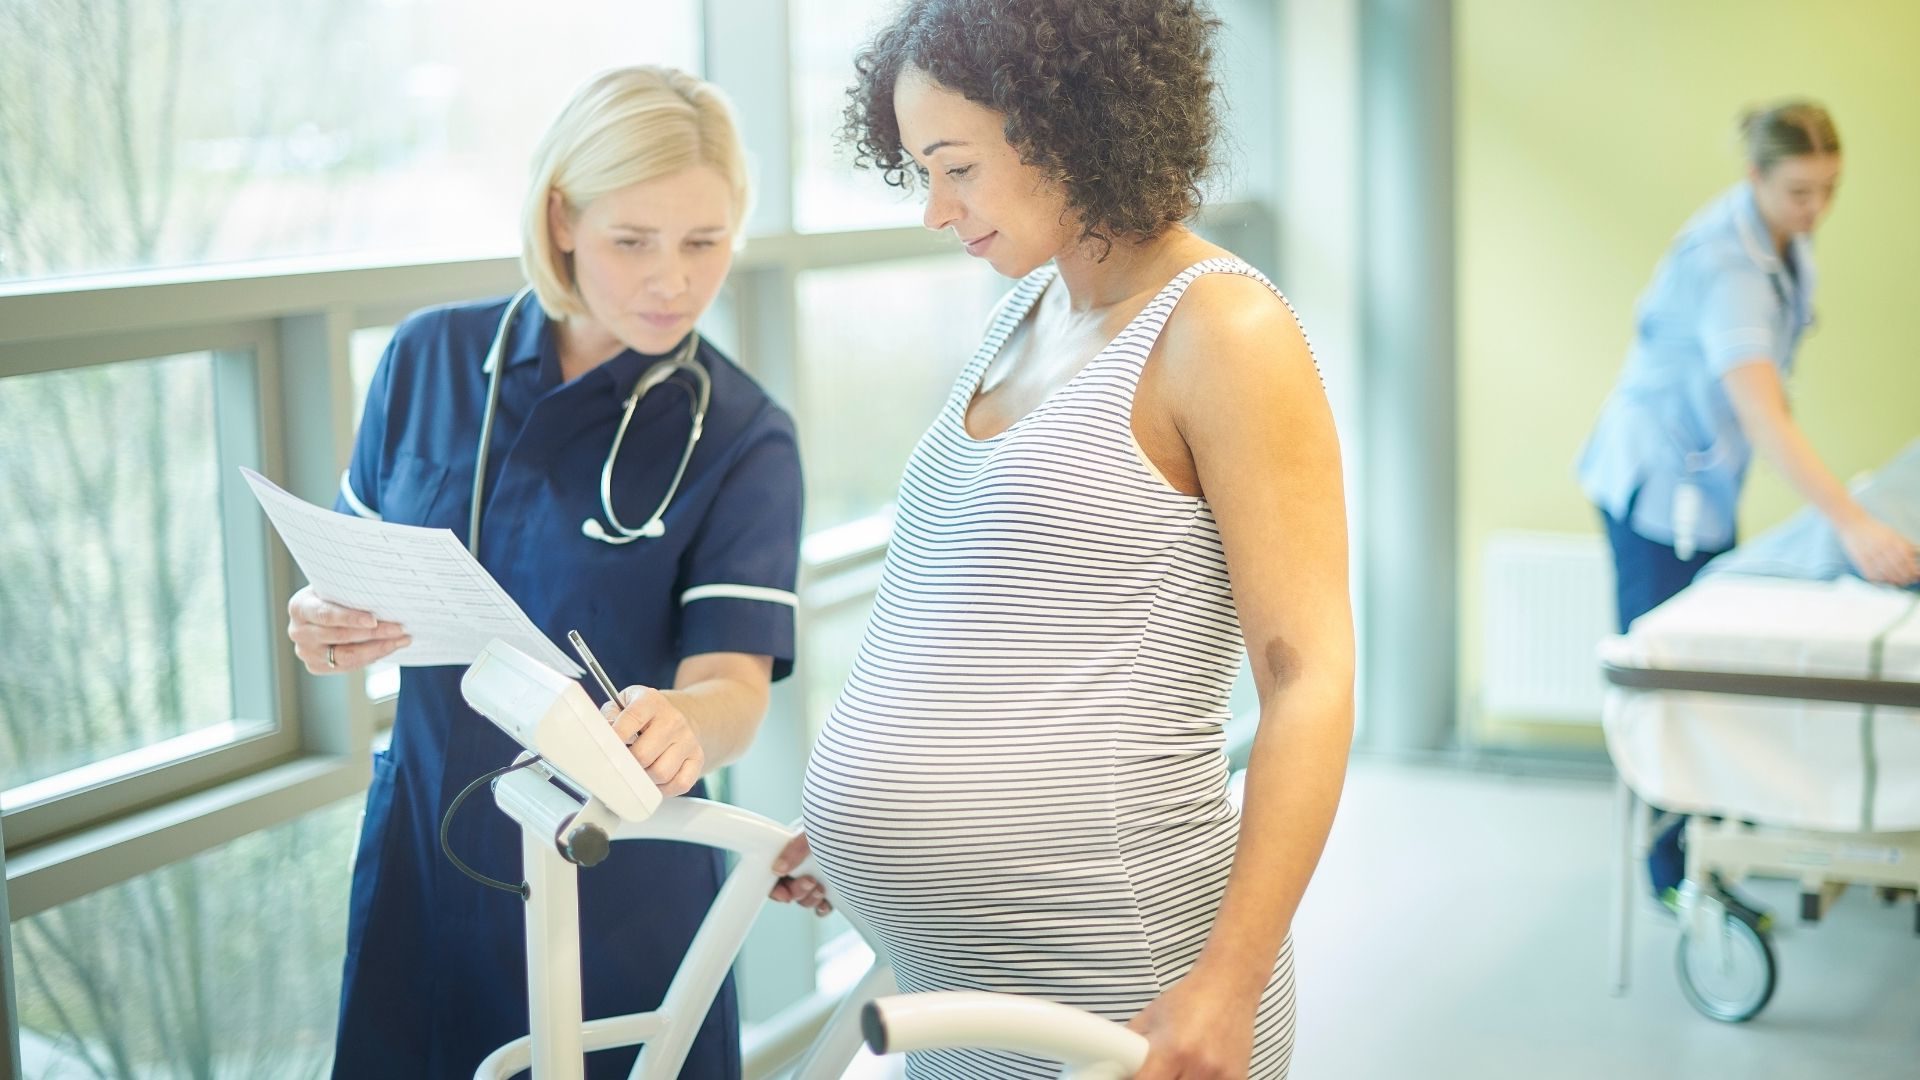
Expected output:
(1090, 1047)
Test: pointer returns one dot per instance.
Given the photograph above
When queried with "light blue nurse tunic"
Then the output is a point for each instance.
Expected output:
(1720, 298)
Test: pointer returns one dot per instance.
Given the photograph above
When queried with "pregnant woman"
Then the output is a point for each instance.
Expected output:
(1022, 787)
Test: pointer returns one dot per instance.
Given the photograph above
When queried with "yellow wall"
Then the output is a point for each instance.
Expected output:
(1588, 132)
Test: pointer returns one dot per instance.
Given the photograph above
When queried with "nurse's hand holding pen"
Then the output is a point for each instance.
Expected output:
(660, 737)
(330, 638)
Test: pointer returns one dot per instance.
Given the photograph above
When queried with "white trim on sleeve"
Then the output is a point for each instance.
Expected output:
(739, 592)
(353, 501)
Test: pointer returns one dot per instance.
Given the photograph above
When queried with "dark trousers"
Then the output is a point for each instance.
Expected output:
(1646, 573)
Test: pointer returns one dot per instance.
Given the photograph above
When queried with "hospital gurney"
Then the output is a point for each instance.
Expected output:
(580, 792)
(1784, 715)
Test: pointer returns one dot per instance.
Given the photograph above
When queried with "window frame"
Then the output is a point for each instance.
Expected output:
(244, 368)
(278, 333)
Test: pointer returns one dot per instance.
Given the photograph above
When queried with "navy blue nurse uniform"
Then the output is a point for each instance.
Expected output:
(435, 973)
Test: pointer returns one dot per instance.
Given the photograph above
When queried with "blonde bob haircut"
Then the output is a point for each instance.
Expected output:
(624, 127)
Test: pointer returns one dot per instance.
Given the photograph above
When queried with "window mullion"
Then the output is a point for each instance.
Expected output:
(239, 398)
(312, 409)
(9, 1010)
(756, 71)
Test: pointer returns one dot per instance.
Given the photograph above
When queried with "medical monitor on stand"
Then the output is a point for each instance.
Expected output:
(551, 715)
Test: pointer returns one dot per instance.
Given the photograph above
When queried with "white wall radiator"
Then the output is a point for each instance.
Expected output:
(1547, 600)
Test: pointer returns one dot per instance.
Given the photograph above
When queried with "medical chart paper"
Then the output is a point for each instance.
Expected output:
(423, 579)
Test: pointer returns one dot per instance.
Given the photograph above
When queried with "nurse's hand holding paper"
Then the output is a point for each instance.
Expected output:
(329, 638)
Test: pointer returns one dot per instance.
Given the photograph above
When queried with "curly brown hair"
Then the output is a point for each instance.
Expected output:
(1114, 99)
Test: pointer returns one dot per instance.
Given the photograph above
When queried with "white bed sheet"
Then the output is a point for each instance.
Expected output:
(1801, 764)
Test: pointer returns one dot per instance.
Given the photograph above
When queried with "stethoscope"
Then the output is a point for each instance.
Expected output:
(654, 526)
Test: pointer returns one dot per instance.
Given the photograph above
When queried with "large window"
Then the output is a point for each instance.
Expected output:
(227, 964)
(154, 133)
(829, 194)
(870, 386)
(113, 595)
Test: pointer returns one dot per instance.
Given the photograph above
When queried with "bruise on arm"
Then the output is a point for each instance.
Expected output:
(1282, 663)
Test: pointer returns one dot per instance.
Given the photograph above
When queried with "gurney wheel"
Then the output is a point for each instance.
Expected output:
(1728, 976)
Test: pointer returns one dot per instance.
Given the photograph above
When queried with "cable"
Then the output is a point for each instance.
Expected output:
(446, 823)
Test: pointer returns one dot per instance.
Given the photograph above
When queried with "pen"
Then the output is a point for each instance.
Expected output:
(593, 665)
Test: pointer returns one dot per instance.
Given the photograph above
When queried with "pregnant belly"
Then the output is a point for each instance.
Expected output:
(897, 814)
